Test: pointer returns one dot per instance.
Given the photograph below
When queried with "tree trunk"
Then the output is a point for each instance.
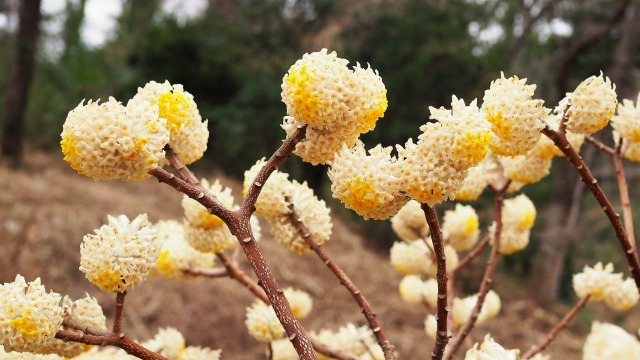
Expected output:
(20, 80)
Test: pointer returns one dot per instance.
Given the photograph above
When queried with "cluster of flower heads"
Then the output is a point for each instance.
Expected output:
(608, 341)
(336, 103)
(120, 255)
(277, 194)
(602, 284)
(626, 125)
(489, 349)
(518, 215)
(112, 141)
(261, 320)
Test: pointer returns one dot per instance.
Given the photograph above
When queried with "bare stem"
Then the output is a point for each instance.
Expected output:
(77, 325)
(442, 308)
(477, 250)
(623, 190)
(576, 160)
(110, 339)
(119, 314)
(207, 272)
(179, 166)
(557, 329)
(372, 319)
(487, 278)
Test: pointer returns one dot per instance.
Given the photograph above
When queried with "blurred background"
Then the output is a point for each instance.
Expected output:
(232, 54)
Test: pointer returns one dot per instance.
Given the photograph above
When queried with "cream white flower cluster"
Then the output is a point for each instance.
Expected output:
(168, 342)
(462, 308)
(410, 223)
(176, 253)
(119, 255)
(518, 216)
(608, 341)
(204, 231)
(336, 103)
(461, 227)
(29, 316)
(592, 104)
(414, 291)
(86, 311)
(604, 285)
(273, 203)
(515, 117)
(626, 125)
(489, 349)
(352, 339)
(261, 319)
(111, 141)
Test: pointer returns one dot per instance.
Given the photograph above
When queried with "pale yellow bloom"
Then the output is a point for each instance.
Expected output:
(593, 103)
(488, 171)
(627, 122)
(86, 311)
(596, 281)
(352, 339)
(462, 308)
(431, 326)
(410, 223)
(168, 342)
(491, 350)
(515, 117)
(262, 322)
(461, 227)
(119, 255)
(623, 297)
(198, 216)
(411, 257)
(176, 254)
(110, 141)
(300, 302)
(29, 316)
(214, 240)
(518, 216)
(608, 341)
(201, 353)
(283, 349)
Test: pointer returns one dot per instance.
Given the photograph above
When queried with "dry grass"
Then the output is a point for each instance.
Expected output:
(46, 208)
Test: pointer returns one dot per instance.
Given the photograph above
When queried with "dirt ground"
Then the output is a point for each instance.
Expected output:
(46, 208)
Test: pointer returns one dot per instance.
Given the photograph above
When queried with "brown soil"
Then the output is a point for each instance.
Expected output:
(46, 209)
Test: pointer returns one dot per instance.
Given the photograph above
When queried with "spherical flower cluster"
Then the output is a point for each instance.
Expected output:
(593, 103)
(86, 311)
(119, 255)
(337, 104)
(197, 215)
(608, 341)
(29, 316)
(627, 122)
(434, 169)
(526, 169)
(262, 322)
(110, 141)
(515, 117)
(283, 349)
(431, 326)
(414, 291)
(462, 308)
(488, 171)
(299, 301)
(168, 342)
(200, 353)
(176, 254)
(368, 184)
(491, 350)
(312, 211)
(214, 240)
(410, 222)
(271, 202)
(189, 134)
(603, 284)
(358, 341)
(545, 148)
(410, 258)
(518, 216)
(460, 227)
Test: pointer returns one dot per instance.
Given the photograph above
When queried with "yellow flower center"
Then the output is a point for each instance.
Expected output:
(108, 280)
(475, 146)
(471, 225)
(165, 262)
(208, 221)
(25, 325)
(527, 220)
(368, 120)
(176, 108)
(306, 104)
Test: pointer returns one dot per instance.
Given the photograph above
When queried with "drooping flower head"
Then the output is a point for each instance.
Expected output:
(119, 255)
(518, 216)
(608, 341)
(300, 302)
(603, 284)
(29, 316)
(168, 342)
(262, 322)
(461, 227)
(491, 350)
(176, 254)
(462, 308)
(415, 291)
(198, 216)
(110, 141)
(515, 117)
(592, 104)
(271, 201)
(627, 122)
(86, 311)
(189, 134)
(368, 184)
(410, 222)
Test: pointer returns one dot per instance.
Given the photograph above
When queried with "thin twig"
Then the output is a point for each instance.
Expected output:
(614, 218)
(623, 190)
(477, 250)
(207, 272)
(239, 225)
(487, 278)
(442, 308)
(77, 325)
(111, 339)
(119, 313)
(372, 319)
(600, 145)
(557, 329)
(179, 166)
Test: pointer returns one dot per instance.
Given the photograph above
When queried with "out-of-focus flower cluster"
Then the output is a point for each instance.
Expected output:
(602, 284)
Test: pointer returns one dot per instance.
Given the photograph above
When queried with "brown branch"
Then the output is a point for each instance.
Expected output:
(207, 272)
(119, 314)
(77, 325)
(614, 218)
(372, 319)
(234, 272)
(557, 329)
(600, 145)
(487, 278)
(179, 166)
(477, 250)
(623, 190)
(442, 308)
(239, 225)
(110, 339)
